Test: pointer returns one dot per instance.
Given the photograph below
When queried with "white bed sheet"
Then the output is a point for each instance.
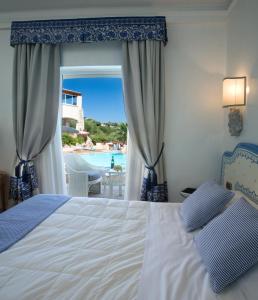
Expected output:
(112, 249)
(87, 249)
(173, 269)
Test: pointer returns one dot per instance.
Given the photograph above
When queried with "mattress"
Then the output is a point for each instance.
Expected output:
(111, 249)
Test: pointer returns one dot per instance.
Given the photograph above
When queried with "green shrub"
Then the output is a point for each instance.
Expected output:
(68, 140)
(79, 139)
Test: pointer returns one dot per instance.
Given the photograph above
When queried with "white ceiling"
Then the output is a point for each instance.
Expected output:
(188, 5)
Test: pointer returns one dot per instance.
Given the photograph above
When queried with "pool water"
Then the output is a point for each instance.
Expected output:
(104, 159)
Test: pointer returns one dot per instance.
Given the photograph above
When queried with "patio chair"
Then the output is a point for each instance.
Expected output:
(81, 175)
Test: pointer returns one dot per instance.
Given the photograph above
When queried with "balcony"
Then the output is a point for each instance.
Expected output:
(85, 179)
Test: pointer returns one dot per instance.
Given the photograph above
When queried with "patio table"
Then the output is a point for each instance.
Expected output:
(114, 178)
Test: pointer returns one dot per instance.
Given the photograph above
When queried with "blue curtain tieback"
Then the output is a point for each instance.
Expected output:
(25, 180)
(20, 166)
(152, 179)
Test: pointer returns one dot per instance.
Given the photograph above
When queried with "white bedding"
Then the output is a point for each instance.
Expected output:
(87, 249)
(172, 268)
(111, 249)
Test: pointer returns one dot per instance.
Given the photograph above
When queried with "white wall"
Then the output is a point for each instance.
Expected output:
(195, 62)
(242, 60)
(194, 125)
(92, 54)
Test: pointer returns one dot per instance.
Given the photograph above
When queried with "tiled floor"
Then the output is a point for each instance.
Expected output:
(105, 193)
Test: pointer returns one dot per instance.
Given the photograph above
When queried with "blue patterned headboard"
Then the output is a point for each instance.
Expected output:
(240, 170)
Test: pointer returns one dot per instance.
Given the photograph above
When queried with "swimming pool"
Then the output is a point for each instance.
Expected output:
(103, 159)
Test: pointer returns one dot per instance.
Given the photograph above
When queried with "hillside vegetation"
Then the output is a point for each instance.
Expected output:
(99, 133)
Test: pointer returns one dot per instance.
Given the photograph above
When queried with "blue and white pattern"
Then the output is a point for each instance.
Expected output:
(204, 204)
(251, 194)
(228, 245)
(243, 180)
(89, 30)
(25, 182)
(245, 150)
(155, 193)
(19, 220)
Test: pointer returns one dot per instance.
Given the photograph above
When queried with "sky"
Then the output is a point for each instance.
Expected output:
(102, 97)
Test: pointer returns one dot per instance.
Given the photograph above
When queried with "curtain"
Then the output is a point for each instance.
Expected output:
(133, 179)
(35, 106)
(50, 166)
(143, 73)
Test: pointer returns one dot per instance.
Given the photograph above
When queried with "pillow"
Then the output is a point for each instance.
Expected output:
(204, 204)
(228, 245)
(237, 196)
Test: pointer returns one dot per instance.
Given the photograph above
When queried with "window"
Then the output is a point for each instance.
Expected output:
(69, 99)
(100, 138)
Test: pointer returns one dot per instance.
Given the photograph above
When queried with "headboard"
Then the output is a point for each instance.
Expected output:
(239, 170)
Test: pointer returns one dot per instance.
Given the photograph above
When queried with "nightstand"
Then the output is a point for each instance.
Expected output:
(187, 192)
(4, 190)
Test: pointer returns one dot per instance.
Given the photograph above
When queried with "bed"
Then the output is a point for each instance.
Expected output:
(111, 249)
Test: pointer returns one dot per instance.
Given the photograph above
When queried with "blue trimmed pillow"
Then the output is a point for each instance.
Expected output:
(204, 204)
(228, 245)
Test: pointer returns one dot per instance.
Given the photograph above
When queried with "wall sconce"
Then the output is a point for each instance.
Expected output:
(234, 94)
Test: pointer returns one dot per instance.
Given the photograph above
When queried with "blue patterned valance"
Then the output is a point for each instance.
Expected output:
(89, 30)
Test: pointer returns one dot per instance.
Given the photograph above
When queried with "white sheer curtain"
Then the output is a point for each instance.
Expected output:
(134, 172)
(50, 166)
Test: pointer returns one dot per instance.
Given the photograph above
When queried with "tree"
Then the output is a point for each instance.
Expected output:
(116, 132)
(120, 133)
(99, 137)
(91, 126)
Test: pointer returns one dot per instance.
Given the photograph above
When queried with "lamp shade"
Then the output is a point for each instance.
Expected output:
(234, 91)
